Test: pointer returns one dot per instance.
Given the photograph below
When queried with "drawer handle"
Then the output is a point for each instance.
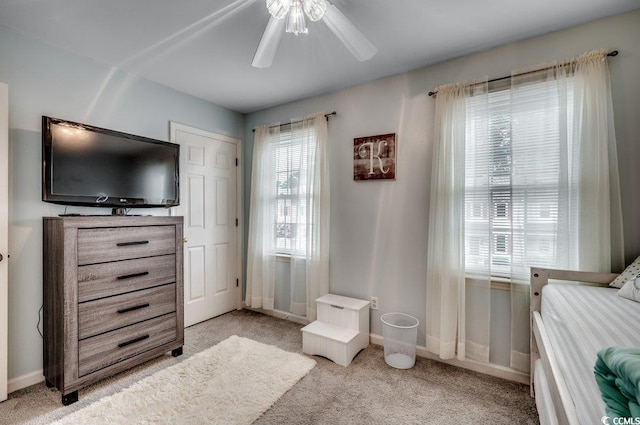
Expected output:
(132, 243)
(129, 276)
(133, 341)
(337, 306)
(135, 307)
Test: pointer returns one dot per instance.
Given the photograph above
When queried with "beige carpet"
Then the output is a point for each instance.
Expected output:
(233, 382)
(367, 392)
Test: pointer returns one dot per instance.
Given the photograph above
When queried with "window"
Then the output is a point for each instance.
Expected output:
(512, 194)
(523, 175)
(289, 160)
(289, 215)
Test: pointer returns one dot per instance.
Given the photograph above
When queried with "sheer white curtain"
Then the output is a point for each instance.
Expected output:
(565, 190)
(565, 165)
(261, 256)
(599, 228)
(289, 214)
(539, 188)
(446, 313)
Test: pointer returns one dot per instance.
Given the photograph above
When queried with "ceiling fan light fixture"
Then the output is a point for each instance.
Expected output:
(278, 8)
(294, 11)
(314, 9)
(295, 21)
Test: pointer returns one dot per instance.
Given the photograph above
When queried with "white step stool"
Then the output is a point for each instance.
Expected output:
(341, 331)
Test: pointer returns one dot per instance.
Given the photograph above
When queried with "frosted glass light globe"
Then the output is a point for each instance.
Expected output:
(278, 8)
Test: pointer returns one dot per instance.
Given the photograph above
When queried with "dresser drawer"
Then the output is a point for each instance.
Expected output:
(107, 279)
(123, 243)
(106, 314)
(104, 350)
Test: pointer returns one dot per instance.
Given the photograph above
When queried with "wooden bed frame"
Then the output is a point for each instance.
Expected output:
(540, 346)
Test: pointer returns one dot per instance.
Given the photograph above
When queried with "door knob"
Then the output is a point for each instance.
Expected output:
(185, 240)
(1, 257)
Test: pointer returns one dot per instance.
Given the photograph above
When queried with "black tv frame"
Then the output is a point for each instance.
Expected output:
(119, 205)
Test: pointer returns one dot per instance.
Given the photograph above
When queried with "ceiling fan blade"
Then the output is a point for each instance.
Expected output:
(344, 29)
(269, 43)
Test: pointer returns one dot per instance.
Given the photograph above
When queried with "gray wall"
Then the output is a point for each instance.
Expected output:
(48, 81)
(379, 229)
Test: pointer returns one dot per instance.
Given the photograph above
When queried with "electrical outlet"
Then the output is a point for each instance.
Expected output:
(374, 303)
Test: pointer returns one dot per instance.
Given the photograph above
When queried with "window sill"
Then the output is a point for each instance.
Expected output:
(500, 286)
(497, 283)
(283, 258)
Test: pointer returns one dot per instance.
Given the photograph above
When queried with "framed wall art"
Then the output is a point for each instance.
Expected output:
(374, 157)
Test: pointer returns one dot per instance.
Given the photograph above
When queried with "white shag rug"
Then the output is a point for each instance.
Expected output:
(233, 382)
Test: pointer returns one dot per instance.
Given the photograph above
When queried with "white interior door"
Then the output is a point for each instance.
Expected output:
(4, 239)
(209, 194)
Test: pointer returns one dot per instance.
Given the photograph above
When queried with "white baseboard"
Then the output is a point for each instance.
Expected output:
(485, 368)
(281, 315)
(25, 381)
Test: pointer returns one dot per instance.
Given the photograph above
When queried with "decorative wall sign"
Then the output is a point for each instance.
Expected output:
(374, 157)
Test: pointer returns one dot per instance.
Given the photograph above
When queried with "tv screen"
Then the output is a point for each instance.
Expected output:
(92, 166)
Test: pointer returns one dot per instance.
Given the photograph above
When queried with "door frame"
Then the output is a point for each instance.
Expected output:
(4, 241)
(174, 127)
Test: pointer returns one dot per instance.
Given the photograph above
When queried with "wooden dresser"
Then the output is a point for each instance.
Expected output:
(113, 296)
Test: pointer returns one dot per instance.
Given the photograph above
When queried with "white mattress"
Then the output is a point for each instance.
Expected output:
(580, 320)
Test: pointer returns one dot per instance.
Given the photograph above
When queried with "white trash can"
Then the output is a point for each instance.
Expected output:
(399, 332)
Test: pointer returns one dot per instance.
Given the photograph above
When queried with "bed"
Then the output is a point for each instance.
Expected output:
(570, 322)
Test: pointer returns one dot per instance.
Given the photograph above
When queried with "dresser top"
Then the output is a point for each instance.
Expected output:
(346, 302)
(114, 220)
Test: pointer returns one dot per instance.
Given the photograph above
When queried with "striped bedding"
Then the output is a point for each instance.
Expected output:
(580, 320)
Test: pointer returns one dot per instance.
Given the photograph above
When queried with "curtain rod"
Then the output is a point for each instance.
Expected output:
(293, 122)
(433, 93)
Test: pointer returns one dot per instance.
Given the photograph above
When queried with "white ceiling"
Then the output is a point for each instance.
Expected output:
(205, 47)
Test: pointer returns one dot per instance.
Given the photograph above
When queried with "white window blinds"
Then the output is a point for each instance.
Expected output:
(516, 197)
(289, 162)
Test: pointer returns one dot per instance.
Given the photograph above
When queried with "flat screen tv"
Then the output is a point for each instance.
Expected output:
(91, 166)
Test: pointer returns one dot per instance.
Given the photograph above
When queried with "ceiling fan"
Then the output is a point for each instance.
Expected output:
(289, 16)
